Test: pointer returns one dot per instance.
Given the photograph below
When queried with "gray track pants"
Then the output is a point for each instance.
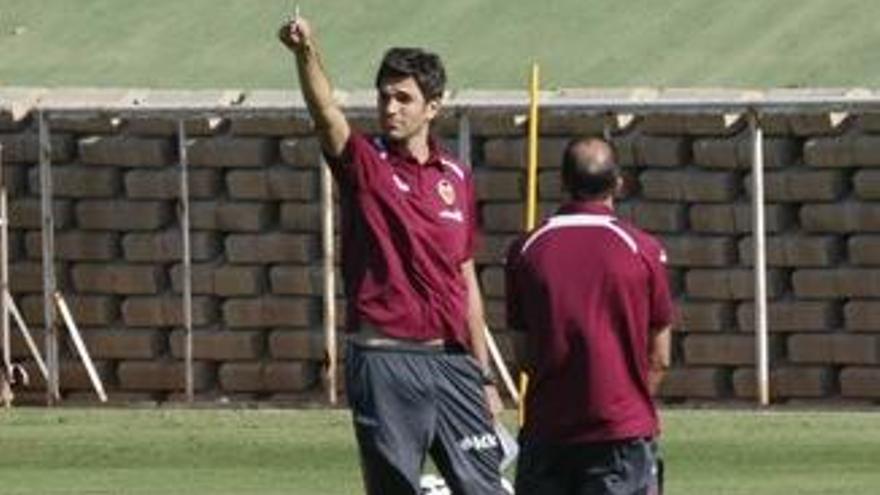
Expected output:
(407, 403)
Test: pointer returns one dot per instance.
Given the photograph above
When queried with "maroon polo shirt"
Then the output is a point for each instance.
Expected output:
(406, 230)
(587, 288)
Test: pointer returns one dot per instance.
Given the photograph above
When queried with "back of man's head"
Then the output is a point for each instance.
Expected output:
(588, 169)
(423, 66)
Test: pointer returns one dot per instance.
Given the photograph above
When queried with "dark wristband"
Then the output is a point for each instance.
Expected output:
(488, 377)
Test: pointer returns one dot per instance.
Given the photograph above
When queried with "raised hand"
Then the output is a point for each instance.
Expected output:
(295, 34)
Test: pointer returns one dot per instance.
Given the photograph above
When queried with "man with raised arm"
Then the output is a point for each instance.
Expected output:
(417, 369)
(590, 292)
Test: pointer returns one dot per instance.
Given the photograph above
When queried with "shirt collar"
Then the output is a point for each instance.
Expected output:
(435, 152)
(591, 207)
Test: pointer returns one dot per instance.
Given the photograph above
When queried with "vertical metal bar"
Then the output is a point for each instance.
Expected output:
(329, 281)
(53, 390)
(464, 138)
(4, 281)
(762, 364)
(187, 259)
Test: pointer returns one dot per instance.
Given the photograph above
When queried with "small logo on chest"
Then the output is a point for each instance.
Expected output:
(446, 192)
(403, 186)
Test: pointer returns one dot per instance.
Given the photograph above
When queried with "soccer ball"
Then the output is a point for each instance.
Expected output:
(431, 484)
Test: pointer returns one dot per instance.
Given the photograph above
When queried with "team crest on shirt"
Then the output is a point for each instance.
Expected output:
(446, 192)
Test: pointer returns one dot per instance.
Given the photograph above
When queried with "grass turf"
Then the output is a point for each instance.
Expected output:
(487, 44)
(217, 452)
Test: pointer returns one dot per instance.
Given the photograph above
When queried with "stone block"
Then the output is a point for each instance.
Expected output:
(701, 316)
(210, 345)
(836, 283)
(305, 217)
(703, 251)
(722, 349)
(301, 152)
(167, 311)
(841, 217)
(271, 248)
(300, 345)
(165, 376)
(125, 344)
(232, 217)
(168, 246)
(25, 148)
(76, 245)
(75, 181)
(795, 250)
(272, 376)
(725, 284)
(268, 312)
(862, 315)
(26, 213)
(787, 382)
(834, 348)
(860, 382)
(123, 215)
(864, 249)
(736, 152)
(693, 186)
(736, 218)
(800, 186)
(117, 278)
(695, 383)
(165, 184)
(793, 316)
(273, 184)
(125, 151)
(232, 152)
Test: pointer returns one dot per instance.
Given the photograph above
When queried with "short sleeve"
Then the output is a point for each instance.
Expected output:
(352, 167)
(513, 286)
(662, 312)
(473, 238)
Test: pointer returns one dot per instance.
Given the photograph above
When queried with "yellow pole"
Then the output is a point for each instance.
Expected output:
(531, 199)
(532, 195)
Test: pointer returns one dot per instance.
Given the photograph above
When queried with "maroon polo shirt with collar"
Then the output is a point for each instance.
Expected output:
(406, 229)
(587, 289)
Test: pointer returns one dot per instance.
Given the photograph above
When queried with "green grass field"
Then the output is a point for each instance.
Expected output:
(311, 452)
(487, 43)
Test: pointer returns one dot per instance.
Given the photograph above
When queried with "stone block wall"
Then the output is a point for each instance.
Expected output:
(254, 184)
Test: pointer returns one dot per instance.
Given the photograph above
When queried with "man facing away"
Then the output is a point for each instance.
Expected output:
(417, 369)
(590, 292)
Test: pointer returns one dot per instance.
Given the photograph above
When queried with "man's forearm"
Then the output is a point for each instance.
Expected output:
(315, 85)
(330, 123)
(476, 316)
(659, 356)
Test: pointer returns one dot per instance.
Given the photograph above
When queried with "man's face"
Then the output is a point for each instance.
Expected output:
(403, 111)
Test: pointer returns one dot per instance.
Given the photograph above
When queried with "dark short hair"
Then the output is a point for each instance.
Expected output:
(588, 169)
(423, 66)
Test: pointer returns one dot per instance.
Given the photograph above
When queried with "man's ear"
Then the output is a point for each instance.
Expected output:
(433, 108)
(619, 185)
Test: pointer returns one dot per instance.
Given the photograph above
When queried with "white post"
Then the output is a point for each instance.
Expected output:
(53, 390)
(26, 335)
(4, 282)
(80, 346)
(762, 366)
(329, 281)
(187, 259)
